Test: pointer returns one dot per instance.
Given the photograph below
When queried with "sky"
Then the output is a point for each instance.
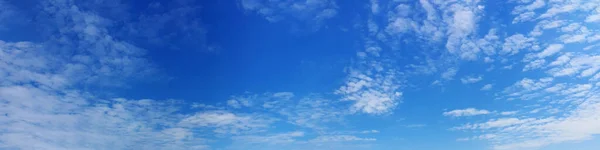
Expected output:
(300, 74)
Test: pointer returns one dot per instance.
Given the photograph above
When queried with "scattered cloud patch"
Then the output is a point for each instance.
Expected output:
(466, 112)
(487, 87)
(471, 79)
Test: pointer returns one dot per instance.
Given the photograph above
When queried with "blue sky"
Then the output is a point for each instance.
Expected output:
(300, 74)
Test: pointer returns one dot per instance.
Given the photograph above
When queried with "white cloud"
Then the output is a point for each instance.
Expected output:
(550, 50)
(558, 9)
(539, 63)
(514, 133)
(274, 11)
(525, 12)
(400, 25)
(69, 122)
(555, 88)
(471, 79)
(593, 17)
(226, 122)
(577, 88)
(496, 123)
(561, 60)
(553, 24)
(571, 27)
(45, 107)
(40, 101)
(466, 112)
(480, 137)
(516, 42)
(573, 38)
(486, 87)
(488, 60)
(526, 88)
(374, 6)
(245, 101)
(449, 74)
(415, 125)
(312, 112)
(524, 17)
(535, 130)
(507, 113)
(340, 138)
(374, 90)
(463, 23)
(583, 64)
(282, 138)
(370, 131)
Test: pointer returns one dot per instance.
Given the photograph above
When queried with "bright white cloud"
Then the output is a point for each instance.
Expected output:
(550, 50)
(561, 60)
(466, 112)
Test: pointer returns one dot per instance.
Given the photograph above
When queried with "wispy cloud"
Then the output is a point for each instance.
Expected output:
(466, 112)
(471, 79)
(313, 13)
(449, 74)
(487, 87)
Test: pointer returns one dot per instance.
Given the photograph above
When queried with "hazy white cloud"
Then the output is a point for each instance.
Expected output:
(527, 86)
(415, 125)
(370, 131)
(449, 74)
(527, 133)
(487, 87)
(515, 43)
(340, 138)
(274, 11)
(44, 108)
(471, 79)
(372, 93)
(506, 113)
(539, 63)
(584, 65)
(226, 122)
(281, 138)
(525, 11)
(466, 112)
(555, 88)
(571, 27)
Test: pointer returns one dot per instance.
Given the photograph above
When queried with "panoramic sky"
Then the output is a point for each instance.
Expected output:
(300, 74)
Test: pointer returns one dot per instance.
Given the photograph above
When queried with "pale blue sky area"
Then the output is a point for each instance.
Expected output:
(300, 74)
